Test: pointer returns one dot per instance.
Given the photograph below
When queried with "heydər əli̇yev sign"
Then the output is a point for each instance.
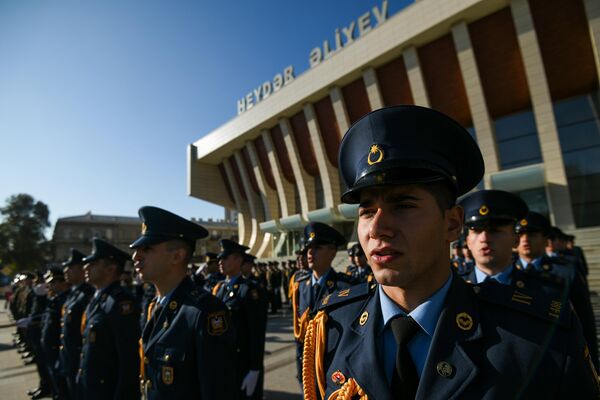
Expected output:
(343, 37)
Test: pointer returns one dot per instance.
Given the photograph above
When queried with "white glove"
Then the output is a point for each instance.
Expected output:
(24, 322)
(40, 289)
(250, 381)
(202, 268)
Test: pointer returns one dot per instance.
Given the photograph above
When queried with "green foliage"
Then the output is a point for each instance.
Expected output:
(22, 240)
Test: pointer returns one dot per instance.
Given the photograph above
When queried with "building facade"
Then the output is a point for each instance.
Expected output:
(521, 75)
(78, 232)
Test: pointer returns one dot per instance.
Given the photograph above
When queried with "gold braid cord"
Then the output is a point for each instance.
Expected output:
(300, 323)
(216, 288)
(313, 355)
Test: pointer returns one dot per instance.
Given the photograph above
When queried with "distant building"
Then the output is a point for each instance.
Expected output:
(78, 232)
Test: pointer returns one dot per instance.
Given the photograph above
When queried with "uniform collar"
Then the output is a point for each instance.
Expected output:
(426, 314)
(232, 280)
(321, 280)
(503, 277)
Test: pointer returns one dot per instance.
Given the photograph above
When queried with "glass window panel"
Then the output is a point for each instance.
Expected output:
(576, 110)
(582, 162)
(579, 136)
(519, 152)
(515, 125)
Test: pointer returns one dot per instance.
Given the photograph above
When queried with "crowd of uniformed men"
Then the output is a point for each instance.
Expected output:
(508, 317)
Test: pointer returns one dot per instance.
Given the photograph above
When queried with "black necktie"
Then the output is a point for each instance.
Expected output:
(405, 380)
(315, 292)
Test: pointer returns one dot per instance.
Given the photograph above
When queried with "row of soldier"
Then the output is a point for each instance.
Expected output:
(62, 322)
(510, 327)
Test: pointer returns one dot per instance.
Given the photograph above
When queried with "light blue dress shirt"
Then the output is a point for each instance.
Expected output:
(537, 263)
(321, 280)
(426, 315)
(503, 277)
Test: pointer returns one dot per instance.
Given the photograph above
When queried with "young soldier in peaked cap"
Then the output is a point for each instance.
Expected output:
(247, 303)
(110, 330)
(423, 332)
(79, 296)
(307, 291)
(187, 342)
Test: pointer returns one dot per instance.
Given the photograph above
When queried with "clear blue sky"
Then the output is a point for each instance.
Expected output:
(99, 99)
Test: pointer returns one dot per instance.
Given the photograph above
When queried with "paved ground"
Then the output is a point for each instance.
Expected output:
(280, 367)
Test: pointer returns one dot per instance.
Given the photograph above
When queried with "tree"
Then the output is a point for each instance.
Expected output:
(22, 240)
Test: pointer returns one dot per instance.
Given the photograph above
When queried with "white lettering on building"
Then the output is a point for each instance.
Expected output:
(363, 24)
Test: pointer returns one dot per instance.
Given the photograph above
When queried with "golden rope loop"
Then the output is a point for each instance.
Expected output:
(349, 390)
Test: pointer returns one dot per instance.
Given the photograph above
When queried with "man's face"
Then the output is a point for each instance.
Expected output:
(492, 245)
(532, 244)
(406, 236)
(466, 253)
(74, 274)
(247, 268)
(230, 265)
(152, 262)
(320, 256)
(96, 272)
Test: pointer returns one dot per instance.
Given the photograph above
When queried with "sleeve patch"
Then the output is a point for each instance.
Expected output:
(126, 307)
(217, 323)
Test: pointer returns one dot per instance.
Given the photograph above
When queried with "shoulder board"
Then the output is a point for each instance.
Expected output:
(345, 278)
(344, 296)
(533, 302)
(301, 276)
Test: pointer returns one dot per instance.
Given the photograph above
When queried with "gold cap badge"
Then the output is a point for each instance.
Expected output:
(375, 155)
(311, 235)
(524, 222)
(483, 210)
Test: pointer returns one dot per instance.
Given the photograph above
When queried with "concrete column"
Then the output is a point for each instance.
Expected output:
(483, 124)
(255, 212)
(304, 182)
(558, 187)
(268, 197)
(415, 76)
(327, 172)
(285, 191)
(244, 222)
(339, 109)
(592, 10)
(373, 92)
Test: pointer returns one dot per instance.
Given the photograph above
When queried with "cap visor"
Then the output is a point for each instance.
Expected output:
(147, 241)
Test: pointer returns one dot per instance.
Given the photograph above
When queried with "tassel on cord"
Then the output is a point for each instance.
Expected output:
(313, 370)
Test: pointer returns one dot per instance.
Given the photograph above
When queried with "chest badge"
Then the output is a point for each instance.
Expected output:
(464, 321)
(363, 318)
(217, 324)
(329, 283)
(338, 378)
(172, 305)
(167, 375)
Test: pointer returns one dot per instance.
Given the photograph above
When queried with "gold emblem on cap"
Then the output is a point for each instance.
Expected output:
(484, 210)
(363, 318)
(311, 235)
(524, 222)
(464, 321)
(144, 228)
(375, 155)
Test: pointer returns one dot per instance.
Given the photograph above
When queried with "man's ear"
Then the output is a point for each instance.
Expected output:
(454, 222)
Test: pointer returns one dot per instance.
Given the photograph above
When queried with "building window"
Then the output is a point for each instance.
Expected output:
(67, 234)
(578, 125)
(517, 140)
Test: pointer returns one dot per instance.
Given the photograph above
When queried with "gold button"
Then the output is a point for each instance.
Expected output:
(61, 347)
(520, 284)
(149, 384)
(167, 358)
(146, 361)
(62, 335)
(80, 370)
(444, 369)
(476, 289)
